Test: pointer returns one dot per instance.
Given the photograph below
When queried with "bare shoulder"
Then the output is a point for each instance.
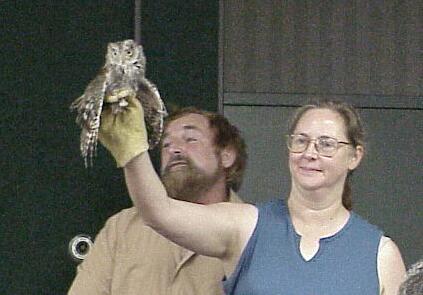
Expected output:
(391, 268)
(242, 220)
(241, 217)
(389, 252)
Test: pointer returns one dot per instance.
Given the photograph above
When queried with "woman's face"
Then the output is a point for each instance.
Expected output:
(311, 171)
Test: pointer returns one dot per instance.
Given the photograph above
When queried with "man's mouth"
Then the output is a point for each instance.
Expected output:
(178, 163)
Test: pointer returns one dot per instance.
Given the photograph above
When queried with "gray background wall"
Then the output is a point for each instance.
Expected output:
(276, 55)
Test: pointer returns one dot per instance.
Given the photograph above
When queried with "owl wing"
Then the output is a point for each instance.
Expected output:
(154, 110)
(88, 107)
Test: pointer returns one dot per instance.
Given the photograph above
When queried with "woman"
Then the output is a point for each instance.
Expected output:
(319, 246)
(309, 243)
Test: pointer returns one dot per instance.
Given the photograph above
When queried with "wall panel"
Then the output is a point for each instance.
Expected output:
(327, 47)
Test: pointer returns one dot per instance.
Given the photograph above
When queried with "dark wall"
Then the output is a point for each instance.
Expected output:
(50, 51)
(181, 43)
(360, 48)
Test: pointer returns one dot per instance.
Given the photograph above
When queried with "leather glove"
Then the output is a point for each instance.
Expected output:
(123, 133)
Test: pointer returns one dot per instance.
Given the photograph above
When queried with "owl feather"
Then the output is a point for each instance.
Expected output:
(123, 72)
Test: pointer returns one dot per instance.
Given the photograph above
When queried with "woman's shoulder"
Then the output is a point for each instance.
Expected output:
(271, 203)
(272, 210)
(274, 205)
(364, 224)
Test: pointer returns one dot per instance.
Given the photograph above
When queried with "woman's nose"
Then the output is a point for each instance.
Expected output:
(311, 151)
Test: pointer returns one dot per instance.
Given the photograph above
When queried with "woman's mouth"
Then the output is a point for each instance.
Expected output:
(307, 169)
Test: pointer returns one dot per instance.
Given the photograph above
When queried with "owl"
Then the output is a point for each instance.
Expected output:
(124, 74)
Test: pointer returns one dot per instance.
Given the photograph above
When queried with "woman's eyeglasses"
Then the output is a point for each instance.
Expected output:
(325, 146)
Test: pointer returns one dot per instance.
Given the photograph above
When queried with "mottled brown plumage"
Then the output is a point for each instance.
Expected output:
(123, 72)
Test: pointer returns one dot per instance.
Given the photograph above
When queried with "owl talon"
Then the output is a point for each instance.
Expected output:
(119, 96)
(123, 103)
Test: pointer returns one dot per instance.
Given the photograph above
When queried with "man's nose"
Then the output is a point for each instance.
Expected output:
(176, 147)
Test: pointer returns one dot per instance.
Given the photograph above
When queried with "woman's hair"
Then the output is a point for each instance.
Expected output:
(354, 132)
(225, 135)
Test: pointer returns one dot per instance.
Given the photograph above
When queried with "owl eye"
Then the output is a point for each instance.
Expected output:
(129, 52)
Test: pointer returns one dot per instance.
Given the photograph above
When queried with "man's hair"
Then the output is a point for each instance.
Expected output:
(413, 284)
(226, 135)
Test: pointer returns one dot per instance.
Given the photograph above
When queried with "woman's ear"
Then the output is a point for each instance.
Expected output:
(357, 155)
(227, 156)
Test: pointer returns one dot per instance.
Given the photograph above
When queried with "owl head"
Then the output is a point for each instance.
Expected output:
(126, 53)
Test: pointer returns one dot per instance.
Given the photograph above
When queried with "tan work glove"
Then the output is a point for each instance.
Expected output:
(123, 133)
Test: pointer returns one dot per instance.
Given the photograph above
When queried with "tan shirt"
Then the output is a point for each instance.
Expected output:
(130, 258)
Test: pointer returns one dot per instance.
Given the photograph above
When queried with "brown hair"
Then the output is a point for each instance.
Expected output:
(354, 132)
(226, 135)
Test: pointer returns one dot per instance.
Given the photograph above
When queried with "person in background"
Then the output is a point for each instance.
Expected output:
(128, 257)
(413, 284)
(309, 242)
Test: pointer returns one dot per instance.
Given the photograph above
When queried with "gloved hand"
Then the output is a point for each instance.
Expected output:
(123, 133)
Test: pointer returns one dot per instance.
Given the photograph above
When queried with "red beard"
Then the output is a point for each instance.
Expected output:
(187, 182)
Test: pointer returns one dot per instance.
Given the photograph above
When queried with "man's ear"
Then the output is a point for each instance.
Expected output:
(227, 156)
(357, 155)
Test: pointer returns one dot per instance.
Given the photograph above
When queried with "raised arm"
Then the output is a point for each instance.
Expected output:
(216, 230)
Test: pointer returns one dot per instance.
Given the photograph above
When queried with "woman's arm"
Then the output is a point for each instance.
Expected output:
(220, 230)
(390, 267)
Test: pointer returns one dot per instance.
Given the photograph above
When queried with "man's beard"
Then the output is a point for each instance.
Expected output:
(188, 182)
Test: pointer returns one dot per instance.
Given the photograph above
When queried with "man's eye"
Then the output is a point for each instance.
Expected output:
(165, 144)
(191, 139)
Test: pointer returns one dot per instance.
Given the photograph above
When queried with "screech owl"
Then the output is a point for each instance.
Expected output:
(123, 72)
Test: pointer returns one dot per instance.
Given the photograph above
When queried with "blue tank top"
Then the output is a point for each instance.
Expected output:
(271, 263)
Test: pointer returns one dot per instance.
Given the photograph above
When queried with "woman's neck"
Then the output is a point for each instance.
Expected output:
(318, 213)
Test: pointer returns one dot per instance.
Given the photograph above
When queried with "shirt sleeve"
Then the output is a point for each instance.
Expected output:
(94, 274)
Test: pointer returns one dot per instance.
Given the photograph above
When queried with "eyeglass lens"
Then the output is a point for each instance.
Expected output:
(324, 145)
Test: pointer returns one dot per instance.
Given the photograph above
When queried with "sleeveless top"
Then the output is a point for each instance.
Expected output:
(271, 263)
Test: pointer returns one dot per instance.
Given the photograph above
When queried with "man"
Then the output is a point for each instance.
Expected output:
(129, 257)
